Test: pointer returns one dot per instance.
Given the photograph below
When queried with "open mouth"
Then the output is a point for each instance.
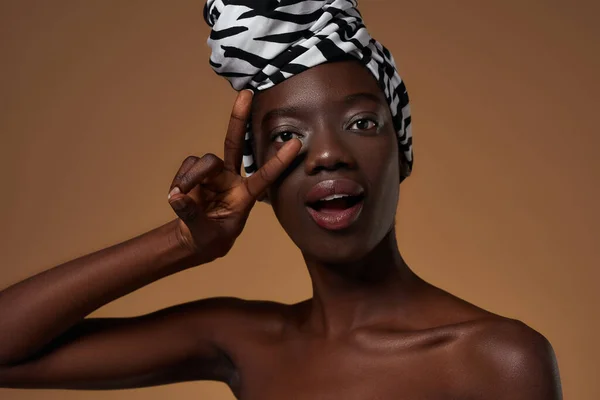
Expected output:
(336, 203)
(336, 212)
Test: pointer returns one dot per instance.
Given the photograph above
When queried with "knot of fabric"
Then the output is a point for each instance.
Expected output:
(257, 44)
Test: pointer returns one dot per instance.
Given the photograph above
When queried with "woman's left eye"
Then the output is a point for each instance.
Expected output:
(364, 124)
(284, 136)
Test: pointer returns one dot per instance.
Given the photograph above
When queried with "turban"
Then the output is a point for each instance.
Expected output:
(257, 44)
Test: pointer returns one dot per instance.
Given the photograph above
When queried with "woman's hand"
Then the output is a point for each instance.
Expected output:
(212, 199)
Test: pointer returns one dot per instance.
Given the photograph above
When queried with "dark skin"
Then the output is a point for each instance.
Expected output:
(372, 330)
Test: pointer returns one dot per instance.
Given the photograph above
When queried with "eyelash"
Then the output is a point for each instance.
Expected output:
(372, 120)
(369, 119)
(278, 134)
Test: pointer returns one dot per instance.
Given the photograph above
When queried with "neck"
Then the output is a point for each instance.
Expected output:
(349, 295)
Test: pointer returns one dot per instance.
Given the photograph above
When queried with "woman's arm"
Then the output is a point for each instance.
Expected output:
(39, 309)
(45, 340)
(177, 344)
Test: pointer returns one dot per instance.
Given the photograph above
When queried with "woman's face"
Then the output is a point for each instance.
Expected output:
(349, 151)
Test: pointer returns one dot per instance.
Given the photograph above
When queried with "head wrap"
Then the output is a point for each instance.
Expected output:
(257, 44)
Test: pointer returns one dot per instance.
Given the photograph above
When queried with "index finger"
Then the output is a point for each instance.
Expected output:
(259, 181)
(236, 131)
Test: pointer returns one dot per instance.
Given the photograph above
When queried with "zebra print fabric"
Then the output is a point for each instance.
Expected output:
(257, 44)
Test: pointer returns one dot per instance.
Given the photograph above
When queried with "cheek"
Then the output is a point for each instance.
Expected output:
(286, 201)
(283, 194)
(381, 167)
(380, 158)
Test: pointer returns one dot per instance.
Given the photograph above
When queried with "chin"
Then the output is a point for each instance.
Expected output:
(336, 255)
(341, 247)
(338, 245)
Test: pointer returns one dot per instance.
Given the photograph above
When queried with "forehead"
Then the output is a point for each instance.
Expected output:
(318, 86)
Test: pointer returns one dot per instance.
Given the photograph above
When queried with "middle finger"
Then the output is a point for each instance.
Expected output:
(236, 132)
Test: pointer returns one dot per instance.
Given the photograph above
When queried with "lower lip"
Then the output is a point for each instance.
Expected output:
(335, 220)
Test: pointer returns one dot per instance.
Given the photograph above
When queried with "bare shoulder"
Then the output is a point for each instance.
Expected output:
(240, 317)
(509, 360)
(229, 325)
(244, 330)
(494, 356)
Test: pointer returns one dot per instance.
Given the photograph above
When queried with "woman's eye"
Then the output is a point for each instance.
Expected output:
(364, 124)
(284, 137)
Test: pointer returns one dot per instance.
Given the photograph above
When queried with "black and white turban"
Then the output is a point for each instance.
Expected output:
(257, 44)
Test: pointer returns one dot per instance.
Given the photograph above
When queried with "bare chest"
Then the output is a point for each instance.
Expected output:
(382, 370)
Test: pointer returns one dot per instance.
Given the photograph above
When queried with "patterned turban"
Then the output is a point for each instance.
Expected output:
(257, 44)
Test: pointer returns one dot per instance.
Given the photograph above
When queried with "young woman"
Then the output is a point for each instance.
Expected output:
(325, 142)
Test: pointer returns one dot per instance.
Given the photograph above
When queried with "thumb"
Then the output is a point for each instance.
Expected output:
(185, 207)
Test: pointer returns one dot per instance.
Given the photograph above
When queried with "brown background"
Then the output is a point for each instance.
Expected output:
(101, 100)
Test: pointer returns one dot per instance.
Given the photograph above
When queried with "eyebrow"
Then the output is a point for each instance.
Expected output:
(363, 96)
(287, 111)
(280, 112)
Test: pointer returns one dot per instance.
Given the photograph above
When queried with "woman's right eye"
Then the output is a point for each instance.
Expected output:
(284, 136)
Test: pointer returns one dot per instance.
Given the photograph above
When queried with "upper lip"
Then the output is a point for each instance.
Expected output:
(331, 187)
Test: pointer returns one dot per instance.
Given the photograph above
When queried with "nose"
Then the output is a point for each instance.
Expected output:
(328, 150)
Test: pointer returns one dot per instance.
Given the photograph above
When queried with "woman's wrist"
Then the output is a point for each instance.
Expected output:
(183, 253)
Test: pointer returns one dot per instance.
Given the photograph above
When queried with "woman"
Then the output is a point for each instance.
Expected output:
(332, 144)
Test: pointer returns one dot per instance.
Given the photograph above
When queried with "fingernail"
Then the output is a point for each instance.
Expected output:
(173, 192)
(249, 90)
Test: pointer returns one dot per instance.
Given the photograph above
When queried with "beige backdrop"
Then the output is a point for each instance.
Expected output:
(101, 100)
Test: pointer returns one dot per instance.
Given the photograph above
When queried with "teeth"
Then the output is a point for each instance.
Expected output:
(334, 196)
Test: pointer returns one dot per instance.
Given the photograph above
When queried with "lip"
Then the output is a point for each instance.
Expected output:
(331, 187)
(335, 220)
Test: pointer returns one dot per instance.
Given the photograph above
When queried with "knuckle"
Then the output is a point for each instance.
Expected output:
(238, 115)
(265, 174)
(230, 143)
(277, 159)
(249, 188)
(210, 158)
(184, 181)
(179, 176)
(210, 162)
(190, 159)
